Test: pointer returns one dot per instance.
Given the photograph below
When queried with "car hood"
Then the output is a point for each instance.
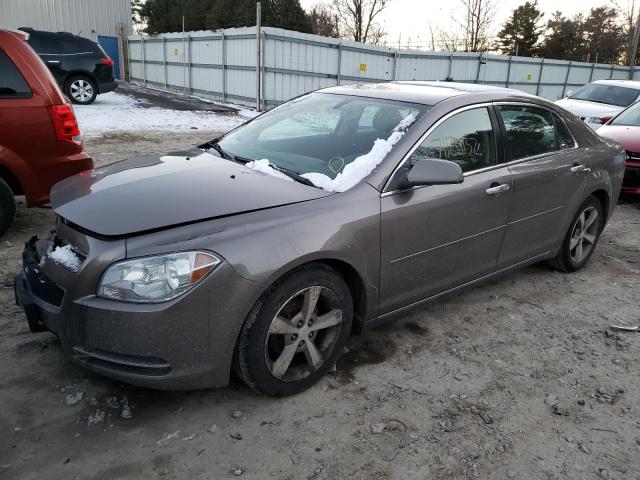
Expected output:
(628, 136)
(583, 108)
(155, 192)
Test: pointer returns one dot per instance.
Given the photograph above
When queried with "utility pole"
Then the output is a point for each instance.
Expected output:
(258, 56)
(634, 48)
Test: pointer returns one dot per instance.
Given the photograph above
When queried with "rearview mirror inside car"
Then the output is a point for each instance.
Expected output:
(433, 171)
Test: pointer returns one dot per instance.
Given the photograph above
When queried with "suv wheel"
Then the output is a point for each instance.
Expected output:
(81, 89)
(7, 207)
(581, 239)
(295, 332)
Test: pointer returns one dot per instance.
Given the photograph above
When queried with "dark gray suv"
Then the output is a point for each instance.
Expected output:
(263, 250)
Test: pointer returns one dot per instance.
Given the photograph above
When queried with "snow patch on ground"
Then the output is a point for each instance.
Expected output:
(114, 112)
(66, 257)
(362, 166)
(264, 167)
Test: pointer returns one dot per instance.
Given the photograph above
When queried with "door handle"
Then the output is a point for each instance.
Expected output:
(497, 189)
(579, 169)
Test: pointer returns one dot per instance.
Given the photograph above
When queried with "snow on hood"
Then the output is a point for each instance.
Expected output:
(265, 167)
(362, 166)
(65, 256)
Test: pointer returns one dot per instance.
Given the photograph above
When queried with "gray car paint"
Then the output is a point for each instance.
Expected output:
(396, 249)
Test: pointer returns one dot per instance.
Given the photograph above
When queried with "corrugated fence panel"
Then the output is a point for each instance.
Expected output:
(222, 65)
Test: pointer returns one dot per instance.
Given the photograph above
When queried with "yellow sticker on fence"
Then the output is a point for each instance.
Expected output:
(363, 67)
(176, 51)
(529, 77)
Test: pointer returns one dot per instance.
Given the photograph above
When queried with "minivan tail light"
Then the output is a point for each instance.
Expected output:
(107, 61)
(65, 124)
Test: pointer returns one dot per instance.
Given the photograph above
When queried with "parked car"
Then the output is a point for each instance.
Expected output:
(80, 66)
(343, 208)
(40, 143)
(624, 128)
(603, 98)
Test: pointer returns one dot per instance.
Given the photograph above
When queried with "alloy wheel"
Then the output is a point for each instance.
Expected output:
(584, 235)
(81, 90)
(303, 333)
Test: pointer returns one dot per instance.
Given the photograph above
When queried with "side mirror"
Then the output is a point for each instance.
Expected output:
(433, 171)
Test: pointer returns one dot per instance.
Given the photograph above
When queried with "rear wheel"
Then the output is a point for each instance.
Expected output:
(7, 207)
(581, 238)
(81, 89)
(295, 332)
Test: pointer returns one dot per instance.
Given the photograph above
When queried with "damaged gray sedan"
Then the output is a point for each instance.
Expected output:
(262, 251)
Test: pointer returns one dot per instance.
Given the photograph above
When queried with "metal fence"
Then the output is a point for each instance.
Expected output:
(222, 65)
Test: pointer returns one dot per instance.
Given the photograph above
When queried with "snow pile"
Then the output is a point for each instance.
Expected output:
(114, 112)
(362, 166)
(264, 167)
(66, 257)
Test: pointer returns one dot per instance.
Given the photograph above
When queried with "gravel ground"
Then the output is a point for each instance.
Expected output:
(519, 378)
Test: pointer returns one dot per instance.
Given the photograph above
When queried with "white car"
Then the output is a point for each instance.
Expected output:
(598, 100)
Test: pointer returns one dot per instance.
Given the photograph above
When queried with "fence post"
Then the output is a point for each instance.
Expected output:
(339, 60)
(164, 62)
(566, 79)
(540, 77)
(593, 68)
(612, 69)
(189, 64)
(450, 65)
(224, 67)
(258, 56)
(509, 71)
(144, 63)
(263, 100)
(479, 67)
(395, 65)
(129, 56)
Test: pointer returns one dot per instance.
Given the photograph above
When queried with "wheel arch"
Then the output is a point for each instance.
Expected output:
(78, 73)
(603, 197)
(11, 179)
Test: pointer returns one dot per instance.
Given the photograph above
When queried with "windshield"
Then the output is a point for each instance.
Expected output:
(608, 94)
(322, 134)
(631, 117)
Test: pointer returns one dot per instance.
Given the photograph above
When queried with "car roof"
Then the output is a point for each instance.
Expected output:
(622, 83)
(426, 93)
(44, 33)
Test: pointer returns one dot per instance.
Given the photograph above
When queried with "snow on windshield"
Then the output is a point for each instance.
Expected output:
(264, 167)
(363, 165)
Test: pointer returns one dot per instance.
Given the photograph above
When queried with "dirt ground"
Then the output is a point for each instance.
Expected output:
(519, 378)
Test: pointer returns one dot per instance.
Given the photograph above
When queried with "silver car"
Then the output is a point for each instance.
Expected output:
(262, 251)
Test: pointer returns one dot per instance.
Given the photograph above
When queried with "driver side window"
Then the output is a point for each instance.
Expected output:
(466, 138)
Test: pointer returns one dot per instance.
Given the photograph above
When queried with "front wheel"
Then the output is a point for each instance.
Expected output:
(81, 90)
(295, 332)
(582, 237)
(7, 207)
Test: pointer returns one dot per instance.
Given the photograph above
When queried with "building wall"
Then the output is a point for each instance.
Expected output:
(87, 18)
(222, 65)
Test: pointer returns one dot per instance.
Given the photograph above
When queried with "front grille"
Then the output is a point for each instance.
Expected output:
(633, 155)
(41, 286)
(631, 177)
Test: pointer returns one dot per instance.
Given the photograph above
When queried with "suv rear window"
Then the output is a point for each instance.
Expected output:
(12, 83)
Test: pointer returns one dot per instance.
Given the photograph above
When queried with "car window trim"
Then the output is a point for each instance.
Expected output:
(541, 155)
(423, 137)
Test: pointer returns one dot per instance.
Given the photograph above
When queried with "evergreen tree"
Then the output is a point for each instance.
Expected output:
(605, 38)
(564, 39)
(521, 32)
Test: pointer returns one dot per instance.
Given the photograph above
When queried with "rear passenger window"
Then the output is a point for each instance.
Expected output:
(44, 44)
(565, 139)
(12, 83)
(530, 131)
(466, 138)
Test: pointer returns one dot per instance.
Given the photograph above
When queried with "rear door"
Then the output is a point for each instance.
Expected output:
(48, 49)
(549, 177)
(438, 237)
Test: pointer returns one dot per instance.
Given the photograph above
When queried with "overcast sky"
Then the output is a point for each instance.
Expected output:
(410, 17)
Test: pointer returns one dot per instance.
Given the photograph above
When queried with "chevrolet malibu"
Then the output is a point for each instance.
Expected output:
(260, 252)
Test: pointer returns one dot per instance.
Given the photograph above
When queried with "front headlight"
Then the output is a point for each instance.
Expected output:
(595, 120)
(155, 279)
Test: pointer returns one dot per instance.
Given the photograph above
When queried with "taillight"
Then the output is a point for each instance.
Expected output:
(107, 61)
(65, 124)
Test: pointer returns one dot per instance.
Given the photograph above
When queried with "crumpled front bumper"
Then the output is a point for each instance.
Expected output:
(184, 343)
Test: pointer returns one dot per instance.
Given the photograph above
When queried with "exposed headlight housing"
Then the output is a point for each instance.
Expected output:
(594, 120)
(155, 279)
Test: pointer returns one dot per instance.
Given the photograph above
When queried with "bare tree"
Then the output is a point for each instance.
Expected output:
(629, 12)
(357, 19)
(474, 21)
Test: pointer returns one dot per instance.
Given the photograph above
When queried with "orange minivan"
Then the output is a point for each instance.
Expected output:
(40, 142)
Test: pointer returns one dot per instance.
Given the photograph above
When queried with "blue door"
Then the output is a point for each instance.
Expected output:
(110, 45)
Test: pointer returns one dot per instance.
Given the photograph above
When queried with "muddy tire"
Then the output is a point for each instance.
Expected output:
(295, 332)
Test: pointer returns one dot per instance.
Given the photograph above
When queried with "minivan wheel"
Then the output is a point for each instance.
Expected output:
(7, 207)
(581, 238)
(81, 89)
(295, 332)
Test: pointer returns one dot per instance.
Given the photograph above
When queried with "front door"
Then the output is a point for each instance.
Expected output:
(548, 180)
(438, 237)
